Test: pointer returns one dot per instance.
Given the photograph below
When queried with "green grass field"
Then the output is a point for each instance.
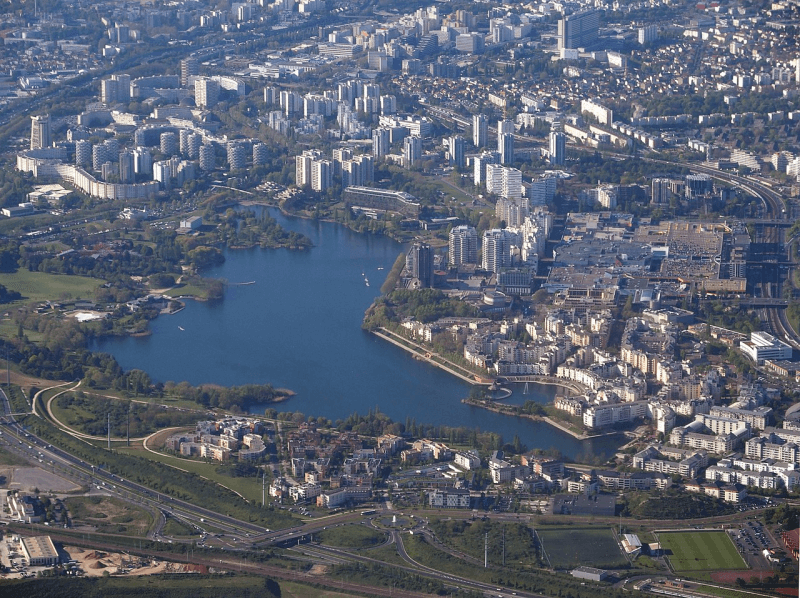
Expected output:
(39, 286)
(573, 546)
(700, 551)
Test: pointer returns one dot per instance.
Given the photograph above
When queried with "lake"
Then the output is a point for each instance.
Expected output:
(298, 327)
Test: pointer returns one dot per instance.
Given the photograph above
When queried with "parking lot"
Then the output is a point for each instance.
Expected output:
(751, 540)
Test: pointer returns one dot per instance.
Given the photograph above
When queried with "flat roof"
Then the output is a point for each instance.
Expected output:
(39, 547)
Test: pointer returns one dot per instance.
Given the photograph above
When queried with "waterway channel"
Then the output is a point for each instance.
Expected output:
(298, 327)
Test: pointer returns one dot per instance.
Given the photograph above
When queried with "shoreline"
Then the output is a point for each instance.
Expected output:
(427, 356)
(510, 411)
(489, 405)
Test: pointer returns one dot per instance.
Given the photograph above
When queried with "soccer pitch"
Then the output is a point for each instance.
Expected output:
(700, 551)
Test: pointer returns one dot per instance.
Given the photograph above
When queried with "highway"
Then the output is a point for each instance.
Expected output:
(84, 473)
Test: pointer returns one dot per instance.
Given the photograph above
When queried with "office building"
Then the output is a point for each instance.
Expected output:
(660, 191)
(542, 190)
(480, 130)
(578, 30)
(558, 148)
(762, 346)
(39, 551)
(40, 132)
(455, 147)
(463, 246)
(470, 43)
(419, 263)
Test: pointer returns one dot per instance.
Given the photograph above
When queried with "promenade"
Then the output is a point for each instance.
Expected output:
(424, 354)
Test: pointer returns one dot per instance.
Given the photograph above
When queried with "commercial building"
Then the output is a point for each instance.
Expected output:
(382, 199)
(763, 346)
(450, 498)
(39, 551)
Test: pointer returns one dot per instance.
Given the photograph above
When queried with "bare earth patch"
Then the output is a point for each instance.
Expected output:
(28, 478)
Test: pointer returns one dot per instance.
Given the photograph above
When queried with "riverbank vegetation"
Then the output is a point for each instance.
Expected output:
(424, 305)
(62, 356)
(240, 229)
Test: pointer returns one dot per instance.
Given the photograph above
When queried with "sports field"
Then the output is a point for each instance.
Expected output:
(700, 551)
(572, 546)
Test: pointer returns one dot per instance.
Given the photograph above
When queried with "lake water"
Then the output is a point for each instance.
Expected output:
(298, 327)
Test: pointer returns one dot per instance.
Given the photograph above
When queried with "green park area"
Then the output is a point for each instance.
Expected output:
(571, 546)
(40, 286)
(700, 551)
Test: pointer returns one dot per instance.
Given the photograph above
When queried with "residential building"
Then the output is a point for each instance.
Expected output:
(578, 30)
(463, 246)
(480, 130)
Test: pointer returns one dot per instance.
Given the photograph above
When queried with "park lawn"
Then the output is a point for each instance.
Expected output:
(700, 551)
(41, 286)
(572, 546)
(9, 329)
(186, 290)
